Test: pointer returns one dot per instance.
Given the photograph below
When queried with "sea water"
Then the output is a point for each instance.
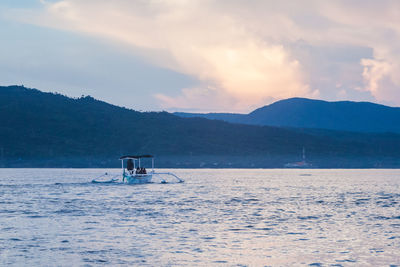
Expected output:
(221, 217)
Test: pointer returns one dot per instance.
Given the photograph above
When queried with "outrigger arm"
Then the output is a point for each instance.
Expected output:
(170, 173)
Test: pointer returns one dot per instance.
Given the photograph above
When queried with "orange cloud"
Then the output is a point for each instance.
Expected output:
(241, 49)
(194, 39)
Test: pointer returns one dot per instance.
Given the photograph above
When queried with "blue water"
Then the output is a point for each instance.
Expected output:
(56, 217)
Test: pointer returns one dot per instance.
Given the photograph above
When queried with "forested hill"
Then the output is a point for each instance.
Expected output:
(46, 129)
(309, 113)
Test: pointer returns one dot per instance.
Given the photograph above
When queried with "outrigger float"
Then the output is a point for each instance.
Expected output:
(134, 173)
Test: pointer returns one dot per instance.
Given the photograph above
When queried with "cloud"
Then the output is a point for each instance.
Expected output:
(381, 78)
(247, 74)
(201, 99)
(248, 53)
(193, 38)
(376, 25)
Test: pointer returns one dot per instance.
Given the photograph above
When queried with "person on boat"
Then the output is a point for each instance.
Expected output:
(144, 171)
(137, 170)
(129, 166)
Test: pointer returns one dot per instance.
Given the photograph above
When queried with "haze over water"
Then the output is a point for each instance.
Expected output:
(57, 217)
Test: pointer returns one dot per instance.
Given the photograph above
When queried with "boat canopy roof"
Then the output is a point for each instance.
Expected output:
(136, 157)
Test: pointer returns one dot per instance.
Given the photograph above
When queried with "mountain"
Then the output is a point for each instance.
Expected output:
(51, 130)
(308, 113)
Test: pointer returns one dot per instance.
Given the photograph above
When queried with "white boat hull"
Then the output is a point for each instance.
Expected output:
(138, 178)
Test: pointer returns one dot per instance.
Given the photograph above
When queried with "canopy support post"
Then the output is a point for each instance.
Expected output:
(123, 170)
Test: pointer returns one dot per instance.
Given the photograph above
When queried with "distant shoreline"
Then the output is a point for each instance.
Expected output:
(210, 162)
(66, 168)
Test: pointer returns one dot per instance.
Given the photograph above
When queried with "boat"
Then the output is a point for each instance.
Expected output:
(300, 164)
(133, 171)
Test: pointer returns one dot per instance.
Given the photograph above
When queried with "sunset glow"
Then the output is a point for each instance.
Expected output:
(243, 54)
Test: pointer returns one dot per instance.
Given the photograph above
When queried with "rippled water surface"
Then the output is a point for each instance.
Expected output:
(57, 217)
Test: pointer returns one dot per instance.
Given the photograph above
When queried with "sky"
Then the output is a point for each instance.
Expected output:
(203, 55)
